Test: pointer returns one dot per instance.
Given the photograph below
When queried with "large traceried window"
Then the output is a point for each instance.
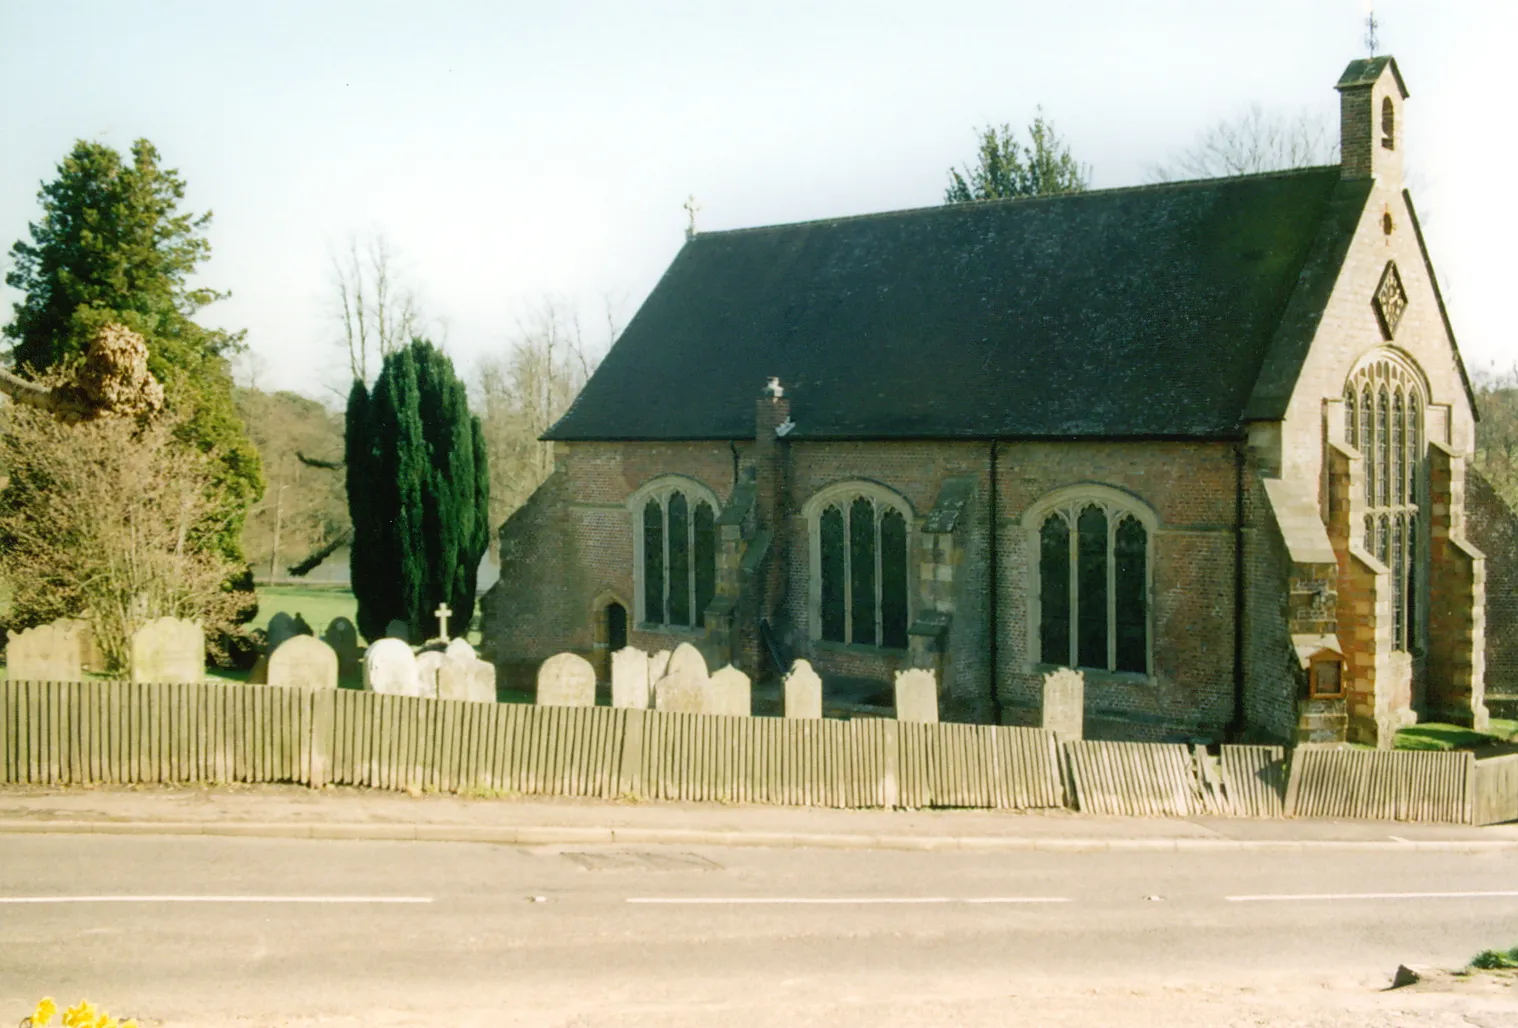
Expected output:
(675, 558)
(859, 542)
(1091, 590)
(1384, 401)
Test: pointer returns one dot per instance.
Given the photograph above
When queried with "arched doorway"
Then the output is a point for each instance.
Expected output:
(616, 627)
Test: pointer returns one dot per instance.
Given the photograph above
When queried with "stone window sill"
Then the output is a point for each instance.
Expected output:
(859, 649)
(1095, 676)
(681, 631)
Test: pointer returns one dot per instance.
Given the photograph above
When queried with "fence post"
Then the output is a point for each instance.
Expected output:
(8, 720)
(630, 774)
(891, 751)
(323, 711)
(1470, 789)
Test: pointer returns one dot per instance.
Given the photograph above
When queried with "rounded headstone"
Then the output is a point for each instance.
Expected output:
(731, 693)
(629, 678)
(803, 691)
(566, 680)
(168, 650)
(281, 627)
(390, 667)
(304, 662)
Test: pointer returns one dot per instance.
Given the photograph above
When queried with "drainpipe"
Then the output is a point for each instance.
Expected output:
(993, 577)
(1237, 726)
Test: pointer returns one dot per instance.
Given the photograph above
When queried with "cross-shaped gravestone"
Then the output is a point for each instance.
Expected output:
(443, 614)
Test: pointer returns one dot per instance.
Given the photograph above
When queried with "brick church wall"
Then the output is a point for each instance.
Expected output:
(1273, 676)
(571, 547)
(1191, 488)
(1492, 527)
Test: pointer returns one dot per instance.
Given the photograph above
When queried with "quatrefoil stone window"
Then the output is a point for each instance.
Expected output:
(1391, 299)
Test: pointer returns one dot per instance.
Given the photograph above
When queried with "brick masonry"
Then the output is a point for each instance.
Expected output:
(1231, 595)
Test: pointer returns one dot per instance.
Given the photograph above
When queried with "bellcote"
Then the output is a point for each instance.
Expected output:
(1371, 100)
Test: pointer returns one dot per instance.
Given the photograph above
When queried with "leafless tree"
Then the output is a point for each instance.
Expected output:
(377, 310)
(523, 392)
(111, 519)
(1497, 431)
(1252, 141)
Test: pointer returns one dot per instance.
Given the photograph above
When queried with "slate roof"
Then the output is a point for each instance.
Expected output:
(1128, 313)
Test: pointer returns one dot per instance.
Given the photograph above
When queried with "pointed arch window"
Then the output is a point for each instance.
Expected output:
(675, 550)
(859, 544)
(1092, 591)
(1386, 427)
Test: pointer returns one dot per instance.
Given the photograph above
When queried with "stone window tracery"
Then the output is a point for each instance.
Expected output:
(1391, 448)
(675, 551)
(1091, 589)
(859, 543)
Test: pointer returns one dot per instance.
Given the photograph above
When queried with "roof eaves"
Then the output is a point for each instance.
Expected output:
(1433, 279)
(1145, 187)
(1276, 379)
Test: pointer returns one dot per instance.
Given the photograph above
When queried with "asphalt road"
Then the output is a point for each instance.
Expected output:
(265, 931)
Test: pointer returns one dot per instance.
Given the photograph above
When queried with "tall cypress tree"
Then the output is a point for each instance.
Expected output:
(418, 493)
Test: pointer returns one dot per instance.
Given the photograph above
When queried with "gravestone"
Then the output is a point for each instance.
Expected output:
(687, 658)
(803, 691)
(91, 656)
(629, 678)
(259, 673)
(168, 650)
(398, 629)
(464, 676)
(1065, 703)
(301, 627)
(428, 662)
(48, 653)
(281, 627)
(731, 693)
(916, 696)
(343, 638)
(304, 662)
(390, 668)
(566, 680)
(684, 692)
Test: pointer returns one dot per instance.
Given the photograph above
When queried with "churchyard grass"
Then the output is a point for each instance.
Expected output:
(1437, 736)
(317, 604)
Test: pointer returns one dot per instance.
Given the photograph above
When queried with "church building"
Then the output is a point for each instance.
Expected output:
(1205, 441)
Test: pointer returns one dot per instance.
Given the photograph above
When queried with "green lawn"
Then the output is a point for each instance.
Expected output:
(317, 604)
(1436, 736)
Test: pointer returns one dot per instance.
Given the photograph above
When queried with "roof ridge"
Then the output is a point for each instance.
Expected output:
(1006, 201)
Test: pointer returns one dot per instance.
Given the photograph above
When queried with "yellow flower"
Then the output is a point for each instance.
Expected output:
(82, 1016)
(46, 1008)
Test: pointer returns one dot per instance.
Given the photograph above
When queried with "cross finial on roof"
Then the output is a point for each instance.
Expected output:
(442, 614)
(691, 207)
(1372, 41)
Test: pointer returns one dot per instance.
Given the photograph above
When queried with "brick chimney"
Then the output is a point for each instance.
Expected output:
(772, 416)
(1371, 102)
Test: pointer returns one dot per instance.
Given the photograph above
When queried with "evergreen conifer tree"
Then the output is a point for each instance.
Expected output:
(418, 493)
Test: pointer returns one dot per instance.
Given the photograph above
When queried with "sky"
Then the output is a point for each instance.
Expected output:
(517, 153)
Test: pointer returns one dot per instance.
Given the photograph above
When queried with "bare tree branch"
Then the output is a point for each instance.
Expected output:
(1252, 141)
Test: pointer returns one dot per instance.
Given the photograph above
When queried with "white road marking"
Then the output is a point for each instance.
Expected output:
(1371, 896)
(836, 900)
(215, 899)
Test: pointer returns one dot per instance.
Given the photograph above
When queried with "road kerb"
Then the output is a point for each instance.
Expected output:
(562, 835)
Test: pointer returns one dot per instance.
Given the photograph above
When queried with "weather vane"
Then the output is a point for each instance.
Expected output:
(691, 207)
(1372, 43)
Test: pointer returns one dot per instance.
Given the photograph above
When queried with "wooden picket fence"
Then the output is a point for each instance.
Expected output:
(1497, 790)
(120, 732)
(76, 732)
(1138, 779)
(1388, 785)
